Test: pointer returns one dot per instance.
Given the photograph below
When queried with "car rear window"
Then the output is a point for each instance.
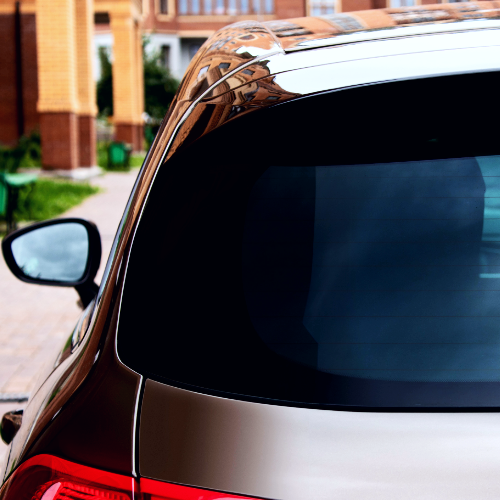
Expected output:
(342, 249)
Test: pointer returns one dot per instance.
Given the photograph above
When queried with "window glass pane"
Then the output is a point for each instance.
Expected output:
(165, 55)
(383, 271)
(219, 9)
(356, 264)
(269, 6)
(164, 6)
(321, 8)
(183, 6)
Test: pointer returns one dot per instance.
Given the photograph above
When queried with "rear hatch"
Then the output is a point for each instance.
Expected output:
(313, 296)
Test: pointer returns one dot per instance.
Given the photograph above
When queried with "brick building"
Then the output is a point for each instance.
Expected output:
(49, 66)
(48, 76)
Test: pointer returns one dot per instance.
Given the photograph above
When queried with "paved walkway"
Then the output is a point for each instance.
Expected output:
(36, 320)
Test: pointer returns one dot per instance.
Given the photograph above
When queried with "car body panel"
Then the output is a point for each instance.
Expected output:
(279, 451)
(86, 410)
(283, 452)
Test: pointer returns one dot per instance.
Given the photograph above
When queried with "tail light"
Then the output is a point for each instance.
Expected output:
(45, 477)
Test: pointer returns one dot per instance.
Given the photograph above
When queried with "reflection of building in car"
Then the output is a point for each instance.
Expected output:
(176, 30)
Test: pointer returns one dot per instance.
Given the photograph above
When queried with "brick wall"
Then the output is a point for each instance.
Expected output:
(8, 90)
(8, 120)
(30, 72)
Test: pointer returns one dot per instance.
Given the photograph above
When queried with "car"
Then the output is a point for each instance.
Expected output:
(302, 299)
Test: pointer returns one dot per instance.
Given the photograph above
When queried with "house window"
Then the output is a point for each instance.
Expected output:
(165, 55)
(262, 6)
(101, 18)
(193, 48)
(403, 3)
(163, 6)
(322, 7)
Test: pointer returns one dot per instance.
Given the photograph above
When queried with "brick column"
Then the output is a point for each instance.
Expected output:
(57, 83)
(140, 88)
(87, 108)
(127, 79)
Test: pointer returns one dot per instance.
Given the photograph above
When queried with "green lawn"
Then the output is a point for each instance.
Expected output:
(52, 197)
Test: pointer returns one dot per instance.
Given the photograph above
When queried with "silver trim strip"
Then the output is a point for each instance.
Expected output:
(135, 435)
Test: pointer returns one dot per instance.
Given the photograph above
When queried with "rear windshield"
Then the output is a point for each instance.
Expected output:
(342, 249)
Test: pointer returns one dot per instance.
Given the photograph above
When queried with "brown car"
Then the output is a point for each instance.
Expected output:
(303, 296)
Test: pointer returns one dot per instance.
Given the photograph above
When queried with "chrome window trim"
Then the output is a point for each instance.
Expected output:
(399, 32)
(379, 47)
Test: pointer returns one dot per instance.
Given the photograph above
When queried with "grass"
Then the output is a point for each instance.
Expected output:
(51, 198)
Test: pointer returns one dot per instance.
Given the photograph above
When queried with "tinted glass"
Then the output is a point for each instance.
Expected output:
(341, 262)
(385, 271)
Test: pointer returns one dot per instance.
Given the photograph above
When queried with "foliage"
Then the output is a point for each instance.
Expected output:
(51, 197)
(27, 153)
(159, 84)
(105, 84)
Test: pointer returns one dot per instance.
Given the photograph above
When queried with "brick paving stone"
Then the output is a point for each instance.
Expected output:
(36, 320)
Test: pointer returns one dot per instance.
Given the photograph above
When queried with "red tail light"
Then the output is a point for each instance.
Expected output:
(50, 478)
(45, 477)
(156, 490)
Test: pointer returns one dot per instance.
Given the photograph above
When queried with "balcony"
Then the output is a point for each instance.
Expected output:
(225, 7)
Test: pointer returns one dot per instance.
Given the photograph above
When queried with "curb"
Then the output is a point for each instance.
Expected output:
(14, 397)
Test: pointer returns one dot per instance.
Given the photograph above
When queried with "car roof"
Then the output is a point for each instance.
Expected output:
(246, 52)
(320, 31)
(242, 42)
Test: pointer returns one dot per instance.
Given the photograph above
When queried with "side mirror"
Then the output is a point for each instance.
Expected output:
(10, 424)
(60, 252)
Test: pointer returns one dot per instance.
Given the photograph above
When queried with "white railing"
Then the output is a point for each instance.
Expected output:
(321, 7)
(224, 7)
